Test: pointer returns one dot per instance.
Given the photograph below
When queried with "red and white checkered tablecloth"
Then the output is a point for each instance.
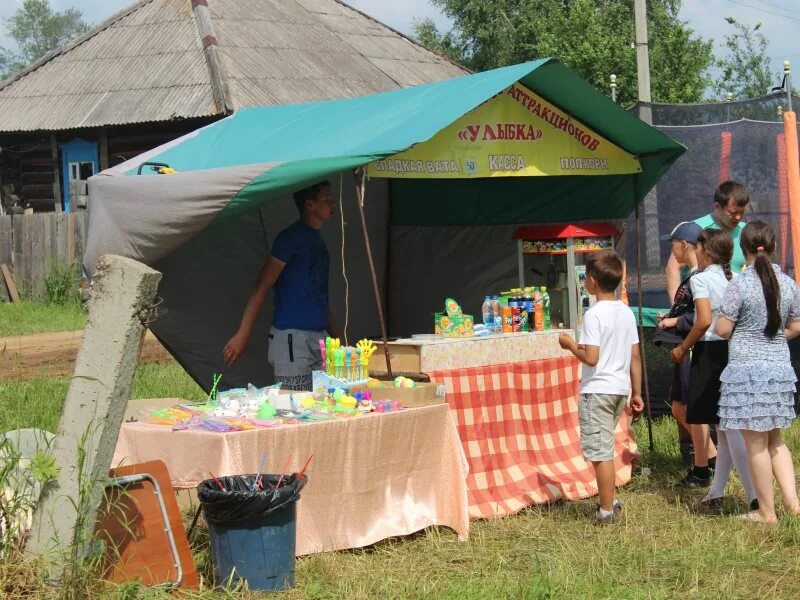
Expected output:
(518, 424)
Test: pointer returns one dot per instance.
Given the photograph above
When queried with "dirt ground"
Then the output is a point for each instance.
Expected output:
(53, 354)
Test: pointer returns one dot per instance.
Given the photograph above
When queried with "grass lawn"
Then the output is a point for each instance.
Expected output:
(27, 318)
(664, 547)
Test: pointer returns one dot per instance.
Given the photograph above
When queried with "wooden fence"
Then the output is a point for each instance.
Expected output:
(32, 244)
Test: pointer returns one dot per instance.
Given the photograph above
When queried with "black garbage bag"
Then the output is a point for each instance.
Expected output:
(239, 505)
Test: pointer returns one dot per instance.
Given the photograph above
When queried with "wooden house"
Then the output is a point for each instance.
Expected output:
(162, 68)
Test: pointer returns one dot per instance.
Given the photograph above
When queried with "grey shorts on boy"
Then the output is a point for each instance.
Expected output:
(599, 415)
(294, 354)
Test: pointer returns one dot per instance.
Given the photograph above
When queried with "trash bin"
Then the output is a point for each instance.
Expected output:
(252, 534)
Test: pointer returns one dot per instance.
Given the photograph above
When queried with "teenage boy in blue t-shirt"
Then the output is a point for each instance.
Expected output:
(297, 269)
(730, 204)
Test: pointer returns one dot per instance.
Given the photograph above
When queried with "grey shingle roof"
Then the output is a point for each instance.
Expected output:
(147, 64)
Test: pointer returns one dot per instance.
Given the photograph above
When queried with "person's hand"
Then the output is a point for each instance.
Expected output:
(678, 355)
(235, 347)
(668, 323)
(637, 406)
(567, 342)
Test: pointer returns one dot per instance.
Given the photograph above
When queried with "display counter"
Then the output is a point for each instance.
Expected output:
(515, 399)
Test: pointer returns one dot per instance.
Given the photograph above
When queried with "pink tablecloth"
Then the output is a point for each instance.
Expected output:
(371, 478)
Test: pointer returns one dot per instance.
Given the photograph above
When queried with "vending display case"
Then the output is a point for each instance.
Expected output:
(555, 255)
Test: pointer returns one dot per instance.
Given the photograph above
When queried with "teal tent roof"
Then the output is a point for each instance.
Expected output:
(301, 143)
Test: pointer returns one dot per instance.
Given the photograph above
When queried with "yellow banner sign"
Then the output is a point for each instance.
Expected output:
(515, 134)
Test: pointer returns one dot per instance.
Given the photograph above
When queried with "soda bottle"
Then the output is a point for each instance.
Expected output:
(515, 319)
(524, 310)
(508, 319)
(538, 310)
(546, 305)
(498, 314)
(487, 312)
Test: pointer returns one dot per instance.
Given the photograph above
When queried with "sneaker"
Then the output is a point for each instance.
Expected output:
(607, 520)
(692, 481)
(616, 507)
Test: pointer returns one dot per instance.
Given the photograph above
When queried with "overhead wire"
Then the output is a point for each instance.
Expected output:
(764, 10)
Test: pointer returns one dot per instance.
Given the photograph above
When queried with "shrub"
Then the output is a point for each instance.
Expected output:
(62, 284)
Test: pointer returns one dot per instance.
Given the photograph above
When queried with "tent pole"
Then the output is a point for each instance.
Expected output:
(645, 378)
(360, 176)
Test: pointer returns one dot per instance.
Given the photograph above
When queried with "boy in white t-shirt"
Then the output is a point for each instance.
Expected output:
(612, 371)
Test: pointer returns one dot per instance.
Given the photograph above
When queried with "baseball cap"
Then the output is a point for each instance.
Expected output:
(686, 231)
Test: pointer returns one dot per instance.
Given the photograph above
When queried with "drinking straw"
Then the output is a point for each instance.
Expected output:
(280, 479)
(213, 393)
(217, 481)
(257, 481)
(303, 470)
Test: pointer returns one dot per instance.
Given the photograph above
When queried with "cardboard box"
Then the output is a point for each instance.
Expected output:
(455, 326)
(425, 394)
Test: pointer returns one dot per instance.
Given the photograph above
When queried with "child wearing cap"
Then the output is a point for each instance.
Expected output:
(680, 320)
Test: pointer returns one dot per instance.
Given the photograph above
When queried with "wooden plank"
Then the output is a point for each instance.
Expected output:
(56, 173)
(71, 237)
(39, 254)
(16, 257)
(6, 240)
(9, 281)
(61, 237)
(46, 253)
(104, 163)
(81, 229)
(27, 260)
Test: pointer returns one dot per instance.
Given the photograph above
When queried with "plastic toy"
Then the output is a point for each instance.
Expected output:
(404, 382)
(266, 411)
(367, 349)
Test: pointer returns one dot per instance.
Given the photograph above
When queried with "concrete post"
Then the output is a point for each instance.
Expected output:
(123, 290)
(651, 236)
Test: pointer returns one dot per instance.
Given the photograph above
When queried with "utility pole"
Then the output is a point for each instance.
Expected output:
(728, 100)
(651, 234)
(643, 60)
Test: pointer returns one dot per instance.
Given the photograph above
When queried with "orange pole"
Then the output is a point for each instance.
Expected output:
(793, 181)
(726, 142)
(783, 199)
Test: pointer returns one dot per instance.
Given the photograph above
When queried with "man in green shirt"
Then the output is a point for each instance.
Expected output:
(730, 203)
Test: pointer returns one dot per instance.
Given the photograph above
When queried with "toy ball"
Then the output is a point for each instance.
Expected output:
(308, 402)
(338, 394)
(348, 402)
(374, 383)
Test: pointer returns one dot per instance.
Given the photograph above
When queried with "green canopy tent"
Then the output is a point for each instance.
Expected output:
(227, 170)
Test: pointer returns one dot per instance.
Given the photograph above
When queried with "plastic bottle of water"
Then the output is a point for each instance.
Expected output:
(546, 305)
(487, 311)
(498, 314)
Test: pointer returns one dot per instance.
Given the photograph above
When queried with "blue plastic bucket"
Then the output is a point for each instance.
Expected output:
(261, 553)
(252, 534)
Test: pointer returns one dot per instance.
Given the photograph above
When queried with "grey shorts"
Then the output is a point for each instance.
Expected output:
(294, 352)
(599, 415)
